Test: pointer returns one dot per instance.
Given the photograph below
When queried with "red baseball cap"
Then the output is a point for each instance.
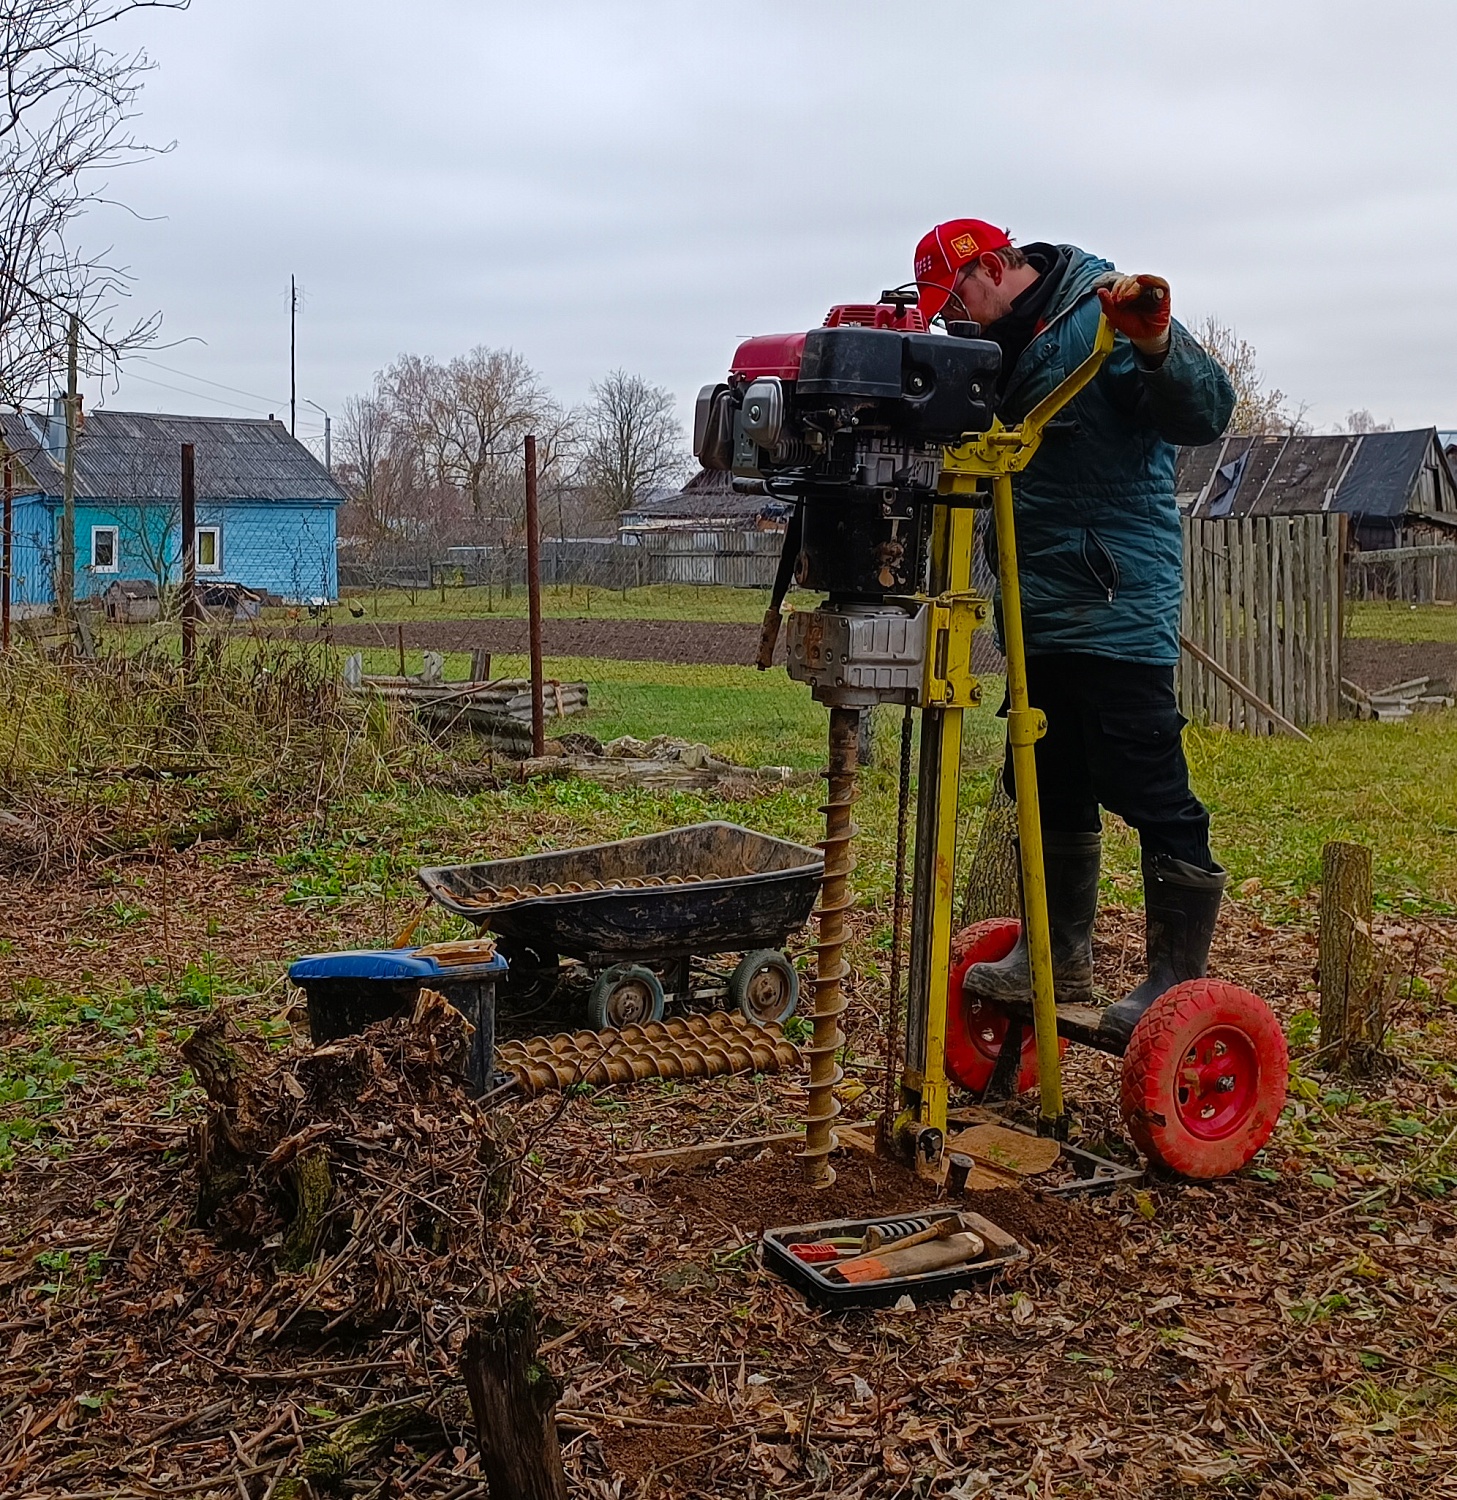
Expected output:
(943, 252)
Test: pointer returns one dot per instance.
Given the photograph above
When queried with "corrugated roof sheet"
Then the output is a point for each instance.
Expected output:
(123, 455)
(710, 496)
(1371, 474)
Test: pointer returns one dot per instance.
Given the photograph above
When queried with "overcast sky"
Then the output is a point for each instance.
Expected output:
(641, 185)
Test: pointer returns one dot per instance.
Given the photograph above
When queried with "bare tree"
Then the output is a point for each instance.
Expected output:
(64, 123)
(631, 441)
(493, 400)
(1258, 407)
(1362, 422)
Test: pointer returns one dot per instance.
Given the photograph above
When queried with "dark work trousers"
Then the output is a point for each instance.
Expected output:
(1114, 738)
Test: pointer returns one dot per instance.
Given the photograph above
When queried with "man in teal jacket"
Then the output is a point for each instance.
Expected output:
(1101, 564)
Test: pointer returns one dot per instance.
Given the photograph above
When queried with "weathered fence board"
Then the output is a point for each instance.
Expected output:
(1263, 596)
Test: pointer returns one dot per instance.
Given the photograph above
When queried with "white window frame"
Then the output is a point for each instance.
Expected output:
(216, 565)
(115, 564)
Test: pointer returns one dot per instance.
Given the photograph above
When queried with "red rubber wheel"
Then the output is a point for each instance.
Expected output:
(1204, 1078)
(976, 1029)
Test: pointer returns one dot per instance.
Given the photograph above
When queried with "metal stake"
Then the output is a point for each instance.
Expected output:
(533, 600)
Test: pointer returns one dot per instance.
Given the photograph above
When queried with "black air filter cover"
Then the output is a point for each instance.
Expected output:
(941, 386)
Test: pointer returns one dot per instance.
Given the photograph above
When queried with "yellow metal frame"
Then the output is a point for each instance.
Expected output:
(994, 455)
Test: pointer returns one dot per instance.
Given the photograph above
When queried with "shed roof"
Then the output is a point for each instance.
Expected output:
(1367, 474)
(123, 455)
(710, 496)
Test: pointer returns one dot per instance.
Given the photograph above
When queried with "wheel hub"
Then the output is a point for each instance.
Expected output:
(1217, 1082)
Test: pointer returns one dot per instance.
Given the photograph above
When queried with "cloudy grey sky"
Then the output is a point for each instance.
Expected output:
(633, 184)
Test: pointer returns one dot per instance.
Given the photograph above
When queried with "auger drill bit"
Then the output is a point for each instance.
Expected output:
(830, 965)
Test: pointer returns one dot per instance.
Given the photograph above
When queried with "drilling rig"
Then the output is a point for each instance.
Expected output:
(883, 437)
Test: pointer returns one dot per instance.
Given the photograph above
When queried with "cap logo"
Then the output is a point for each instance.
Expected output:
(964, 245)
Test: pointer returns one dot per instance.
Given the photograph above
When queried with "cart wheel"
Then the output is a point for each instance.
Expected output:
(975, 1029)
(1204, 1078)
(625, 995)
(764, 987)
(531, 974)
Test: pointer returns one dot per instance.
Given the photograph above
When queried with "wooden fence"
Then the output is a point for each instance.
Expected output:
(1406, 575)
(1263, 597)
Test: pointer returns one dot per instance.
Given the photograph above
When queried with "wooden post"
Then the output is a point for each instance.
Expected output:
(1351, 1026)
(513, 1397)
(7, 549)
(189, 562)
(66, 583)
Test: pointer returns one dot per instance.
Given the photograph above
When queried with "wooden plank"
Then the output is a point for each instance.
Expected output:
(1310, 597)
(1242, 690)
(1219, 617)
(1259, 676)
(1336, 623)
(1234, 652)
(687, 1156)
(1286, 702)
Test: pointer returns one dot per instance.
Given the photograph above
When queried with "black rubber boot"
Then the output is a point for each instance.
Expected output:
(1071, 862)
(1180, 909)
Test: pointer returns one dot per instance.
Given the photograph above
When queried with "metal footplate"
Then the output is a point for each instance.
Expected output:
(1077, 1023)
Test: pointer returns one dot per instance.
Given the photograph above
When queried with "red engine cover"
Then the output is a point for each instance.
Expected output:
(780, 353)
(768, 354)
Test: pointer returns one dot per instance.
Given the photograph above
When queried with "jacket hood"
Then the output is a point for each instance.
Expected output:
(1083, 275)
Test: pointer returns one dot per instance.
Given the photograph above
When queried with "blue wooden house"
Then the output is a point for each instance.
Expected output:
(266, 507)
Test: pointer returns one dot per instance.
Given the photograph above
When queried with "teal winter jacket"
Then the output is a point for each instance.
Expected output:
(1098, 541)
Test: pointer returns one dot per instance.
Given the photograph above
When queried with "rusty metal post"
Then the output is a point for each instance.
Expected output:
(189, 562)
(533, 599)
(830, 965)
(7, 553)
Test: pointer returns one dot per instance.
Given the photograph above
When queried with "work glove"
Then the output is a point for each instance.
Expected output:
(1139, 307)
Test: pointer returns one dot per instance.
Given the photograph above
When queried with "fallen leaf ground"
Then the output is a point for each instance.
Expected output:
(1289, 1332)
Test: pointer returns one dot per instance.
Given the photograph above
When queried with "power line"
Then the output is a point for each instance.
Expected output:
(203, 380)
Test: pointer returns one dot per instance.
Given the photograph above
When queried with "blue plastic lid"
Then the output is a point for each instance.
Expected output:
(386, 963)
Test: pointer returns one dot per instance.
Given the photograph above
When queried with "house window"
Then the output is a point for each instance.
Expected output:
(104, 549)
(209, 549)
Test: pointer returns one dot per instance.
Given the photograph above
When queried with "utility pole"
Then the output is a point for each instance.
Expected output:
(66, 593)
(189, 561)
(292, 357)
(328, 460)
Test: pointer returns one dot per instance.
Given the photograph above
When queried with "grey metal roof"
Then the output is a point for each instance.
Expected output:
(123, 455)
(1371, 474)
(710, 496)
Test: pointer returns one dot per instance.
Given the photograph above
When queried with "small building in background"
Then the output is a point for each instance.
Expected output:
(266, 507)
(1397, 487)
(708, 502)
(132, 601)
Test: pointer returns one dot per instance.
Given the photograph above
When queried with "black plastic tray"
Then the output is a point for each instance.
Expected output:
(759, 890)
(1002, 1250)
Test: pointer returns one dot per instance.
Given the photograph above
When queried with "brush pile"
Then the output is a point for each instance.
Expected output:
(363, 1166)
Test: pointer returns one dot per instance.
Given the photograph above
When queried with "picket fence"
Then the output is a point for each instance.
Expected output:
(1263, 596)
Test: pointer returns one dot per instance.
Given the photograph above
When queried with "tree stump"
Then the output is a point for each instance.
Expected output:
(1352, 1026)
(513, 1397)
(992, 887)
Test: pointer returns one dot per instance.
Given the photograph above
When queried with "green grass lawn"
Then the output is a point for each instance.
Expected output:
(1274, 800)
(1375, 620)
